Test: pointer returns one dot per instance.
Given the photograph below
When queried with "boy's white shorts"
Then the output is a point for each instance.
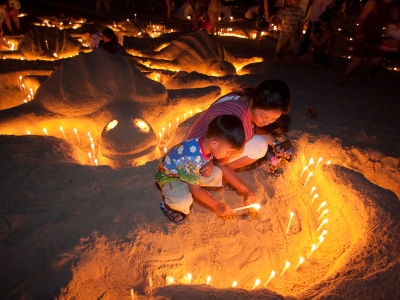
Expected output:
(178, 196)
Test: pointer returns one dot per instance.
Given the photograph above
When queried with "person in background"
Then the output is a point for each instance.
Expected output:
(181, 174)
(170, 8)
(314, 9)
(103, 9)
(214, 12)
(9, 15)
(323, 37)
(256, 107)
(376, 15)
(105, 39)
(291, 31)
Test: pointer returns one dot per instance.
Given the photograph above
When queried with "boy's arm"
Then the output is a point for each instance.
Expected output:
(221, 208)
(230, 176)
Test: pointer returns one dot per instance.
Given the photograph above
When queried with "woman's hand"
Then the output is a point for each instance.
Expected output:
(206, 170)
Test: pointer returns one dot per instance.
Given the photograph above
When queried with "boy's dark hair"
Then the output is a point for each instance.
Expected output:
(108, 32)
(228, 128)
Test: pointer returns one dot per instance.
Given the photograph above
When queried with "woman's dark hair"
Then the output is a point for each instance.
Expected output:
(269, 94)
(228, 128)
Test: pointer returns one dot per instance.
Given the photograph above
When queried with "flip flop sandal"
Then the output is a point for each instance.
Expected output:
(174, 215)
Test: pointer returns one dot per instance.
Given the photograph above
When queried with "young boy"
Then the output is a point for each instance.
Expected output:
(181, 172)
(289, 39)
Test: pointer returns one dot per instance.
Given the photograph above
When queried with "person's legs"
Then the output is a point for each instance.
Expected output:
(371, 65)
(351, 67)
(178, 196)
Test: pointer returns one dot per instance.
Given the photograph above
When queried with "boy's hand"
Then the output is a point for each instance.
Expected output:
(223, 210)
(206, 170)
(249, 198)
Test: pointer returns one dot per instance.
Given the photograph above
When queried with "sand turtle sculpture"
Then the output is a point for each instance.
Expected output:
(194, 52)
(48, 43)
(104, 94)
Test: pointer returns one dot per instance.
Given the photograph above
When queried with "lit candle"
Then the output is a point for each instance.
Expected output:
(184, 116)
(308, 178)
(177, 122)
(313, 247)
(318, 162)
(28, 132)
(301, 260)
(314, 197)
(135, 16)
(89, 135)
(304, 169)
(47, 44)
(208, 279)
(312, 190)
(256, 283)
(92, 146)
(254, 205)
(322, 214)
(90, 157)
(290, 221)
(132, 294)
(322, 224)
(310, 162)
(234, 284)
(328, 162)
(324, 232)
(62, 130)
(321, 206)
(169, 129)
(189, 277)
(95, 161)
(287, 264)
(169, 280)
(270, 277)
(45, 131)
(77, 136)
(163, 131)
(160, 135)
(321, 239)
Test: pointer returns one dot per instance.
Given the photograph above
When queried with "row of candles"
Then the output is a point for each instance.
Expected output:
(92, 154)
(188, 277)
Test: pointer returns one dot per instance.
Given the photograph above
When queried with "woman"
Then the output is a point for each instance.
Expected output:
(257, 107)
(376, 15)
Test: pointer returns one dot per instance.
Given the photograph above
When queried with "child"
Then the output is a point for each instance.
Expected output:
(289, 39)
(181, 173)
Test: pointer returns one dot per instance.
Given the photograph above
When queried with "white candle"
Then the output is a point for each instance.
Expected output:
(308, 178)
(169, 280)
(92, 146)
(62, 130)
(90, 157)
(270, 277)
(290, 221)
(321, 206)
(312, 190)
(321, 239)
(318, 162)
(45, 131)
(169, 129)
(189, 277)
(322, 224)
(95, 161)
(47, 44)
(132, 294)
(313, 247)
(234, 284)
(304, 169)
(314, 197)
(77, 136)
(28, 132)
(256, 283)
(163, 131)
(287, 264)
(208, 279)
(301, 260)
(322, 214)
(254, 205)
